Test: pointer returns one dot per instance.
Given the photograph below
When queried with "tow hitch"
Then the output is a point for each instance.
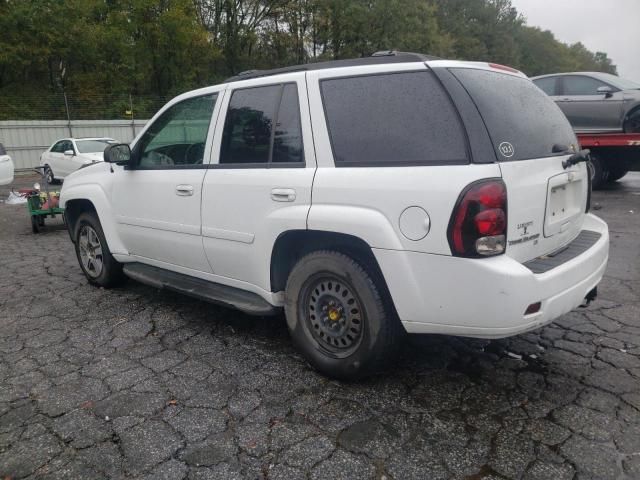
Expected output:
(590, 297)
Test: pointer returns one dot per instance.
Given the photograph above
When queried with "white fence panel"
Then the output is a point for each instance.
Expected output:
(25, 140)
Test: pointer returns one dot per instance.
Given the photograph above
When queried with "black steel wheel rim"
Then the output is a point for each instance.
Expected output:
(333, 314)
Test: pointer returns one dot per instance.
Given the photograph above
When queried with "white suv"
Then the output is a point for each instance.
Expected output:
(366, 197)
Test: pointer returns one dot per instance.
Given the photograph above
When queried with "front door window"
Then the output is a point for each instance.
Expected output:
(177, 138)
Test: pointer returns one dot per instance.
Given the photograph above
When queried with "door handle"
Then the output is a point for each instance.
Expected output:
(184, 190)
(283, 194)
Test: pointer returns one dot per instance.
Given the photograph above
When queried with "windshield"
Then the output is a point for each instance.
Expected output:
(92, 146)
(523, 122)
(621, 83)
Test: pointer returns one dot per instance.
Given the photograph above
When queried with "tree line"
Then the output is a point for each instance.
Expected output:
(164, 47)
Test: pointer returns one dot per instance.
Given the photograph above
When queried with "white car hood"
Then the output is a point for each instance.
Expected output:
(94, 157)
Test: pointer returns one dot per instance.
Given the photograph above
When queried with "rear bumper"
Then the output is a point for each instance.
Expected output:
(488, 297)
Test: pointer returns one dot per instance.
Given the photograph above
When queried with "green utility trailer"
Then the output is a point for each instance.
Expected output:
(42, 204)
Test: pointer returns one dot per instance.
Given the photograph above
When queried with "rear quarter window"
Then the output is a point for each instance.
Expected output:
(392, 119)
(523, 122)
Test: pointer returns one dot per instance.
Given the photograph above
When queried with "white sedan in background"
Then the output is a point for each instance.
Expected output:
(69, 154)
(6, 167)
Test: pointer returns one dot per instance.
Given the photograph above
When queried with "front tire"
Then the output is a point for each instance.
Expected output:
(337, 317)
(49, 176)
(93, 253)
(632, 122)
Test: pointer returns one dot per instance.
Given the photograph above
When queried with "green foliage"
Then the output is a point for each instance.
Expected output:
(102, 51)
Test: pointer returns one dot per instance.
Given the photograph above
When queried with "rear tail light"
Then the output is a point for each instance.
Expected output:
(478, 225)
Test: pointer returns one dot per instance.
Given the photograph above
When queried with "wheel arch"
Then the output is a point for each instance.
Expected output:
(292, 245)
(90, 198)
(633, 111)
(73, 210)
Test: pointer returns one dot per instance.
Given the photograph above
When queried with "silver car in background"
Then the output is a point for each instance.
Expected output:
(594, 101)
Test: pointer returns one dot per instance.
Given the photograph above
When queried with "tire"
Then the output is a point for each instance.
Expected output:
(35, 225)
(632, 122)
(93, 253)
(356, 332)
(599, 174)
(48, 173)
(616, 173)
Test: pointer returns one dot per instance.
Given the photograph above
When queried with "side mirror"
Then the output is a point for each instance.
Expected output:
(119, 153)
(69, 153)
(606, 91)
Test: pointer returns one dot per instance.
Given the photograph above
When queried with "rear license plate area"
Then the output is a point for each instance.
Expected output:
(564, 203)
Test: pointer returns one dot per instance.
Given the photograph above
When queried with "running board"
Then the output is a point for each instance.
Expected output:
(247, 302)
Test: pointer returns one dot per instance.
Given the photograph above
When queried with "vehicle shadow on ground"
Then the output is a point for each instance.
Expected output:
(418, 353)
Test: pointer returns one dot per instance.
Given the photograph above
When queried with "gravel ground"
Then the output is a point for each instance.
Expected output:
(137, 383)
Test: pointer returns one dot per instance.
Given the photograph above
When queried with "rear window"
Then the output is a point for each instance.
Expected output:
(392, 119)
(263, 127)
(523, 122)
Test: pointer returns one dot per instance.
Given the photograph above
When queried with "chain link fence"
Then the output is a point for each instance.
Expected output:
(86, 106)
(30, 123)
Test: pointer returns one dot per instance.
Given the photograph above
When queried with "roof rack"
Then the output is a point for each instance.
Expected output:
(381, 57)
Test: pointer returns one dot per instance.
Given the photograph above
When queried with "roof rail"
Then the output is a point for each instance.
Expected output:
(380, 57)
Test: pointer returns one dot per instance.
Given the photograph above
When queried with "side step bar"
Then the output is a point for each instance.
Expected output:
(247, 302)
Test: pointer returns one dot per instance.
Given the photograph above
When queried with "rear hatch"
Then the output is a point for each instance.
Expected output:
(531, 137)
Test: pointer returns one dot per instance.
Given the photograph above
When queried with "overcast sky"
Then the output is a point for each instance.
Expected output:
(611, 26)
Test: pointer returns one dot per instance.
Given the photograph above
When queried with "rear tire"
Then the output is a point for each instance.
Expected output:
(599, 174)
(616, 173)
(93, 253)
(35, 225)
(337, 317)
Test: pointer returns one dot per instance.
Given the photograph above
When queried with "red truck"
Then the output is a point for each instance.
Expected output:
(612, 155)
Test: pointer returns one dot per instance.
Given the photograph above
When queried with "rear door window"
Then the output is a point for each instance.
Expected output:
(547, 85)
(392, 119)
(263, 127)
(523, 122)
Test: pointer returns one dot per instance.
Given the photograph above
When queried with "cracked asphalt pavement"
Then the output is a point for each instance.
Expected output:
(139, 383)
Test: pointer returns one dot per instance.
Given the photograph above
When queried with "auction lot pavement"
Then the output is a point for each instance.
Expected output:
(138, 383)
